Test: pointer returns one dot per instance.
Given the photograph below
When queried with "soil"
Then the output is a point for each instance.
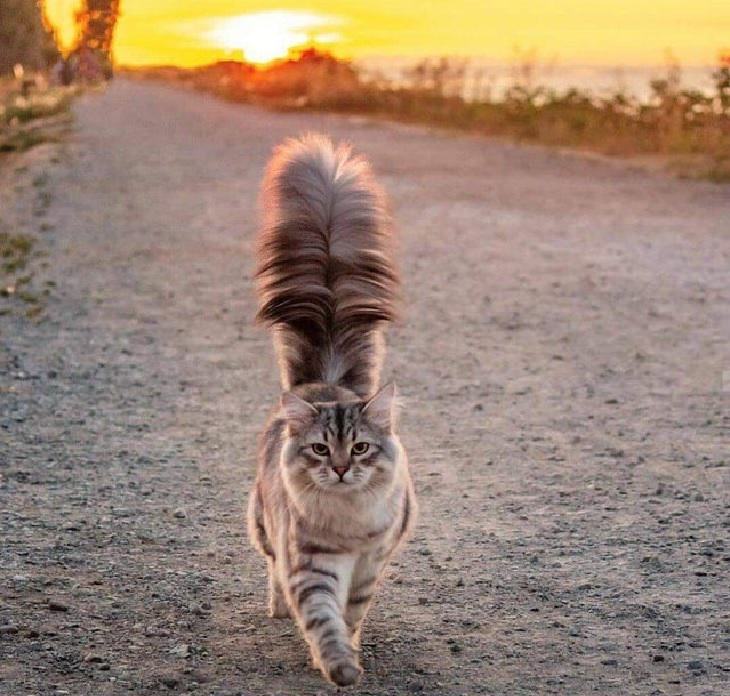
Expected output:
(566, 365)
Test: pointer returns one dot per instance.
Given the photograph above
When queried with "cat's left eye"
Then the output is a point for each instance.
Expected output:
(360, 447)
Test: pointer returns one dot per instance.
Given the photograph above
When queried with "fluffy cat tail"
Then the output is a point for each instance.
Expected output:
(327, 282)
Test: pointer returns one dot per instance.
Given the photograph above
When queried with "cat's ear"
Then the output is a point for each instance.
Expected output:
(297, 412)
(382, 409)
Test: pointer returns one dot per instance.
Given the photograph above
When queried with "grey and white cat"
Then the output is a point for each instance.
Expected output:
(333, 497)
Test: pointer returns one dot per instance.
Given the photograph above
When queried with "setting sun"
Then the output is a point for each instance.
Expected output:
(266, 36)
(625, 32)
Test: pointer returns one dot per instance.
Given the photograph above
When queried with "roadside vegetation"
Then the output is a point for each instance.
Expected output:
(686, 130)
(32, 112)
(23, 286)
(16, 280)
(37, 84)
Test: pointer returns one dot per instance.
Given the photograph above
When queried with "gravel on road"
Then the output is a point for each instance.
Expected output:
(566, 367)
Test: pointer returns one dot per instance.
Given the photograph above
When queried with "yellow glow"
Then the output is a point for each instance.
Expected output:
(265, 36)
(60, 13)
(626, 32)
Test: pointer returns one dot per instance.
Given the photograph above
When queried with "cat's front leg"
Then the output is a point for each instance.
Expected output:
(317, 586)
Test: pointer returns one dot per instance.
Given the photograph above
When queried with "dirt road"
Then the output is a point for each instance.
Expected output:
(568, 426)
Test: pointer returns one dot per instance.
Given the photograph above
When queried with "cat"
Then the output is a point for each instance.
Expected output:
(333, 496)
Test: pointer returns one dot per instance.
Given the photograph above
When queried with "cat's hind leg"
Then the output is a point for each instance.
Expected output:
(278, 608)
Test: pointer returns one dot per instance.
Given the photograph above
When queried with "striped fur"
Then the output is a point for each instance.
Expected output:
(333, 496)
(326, 276)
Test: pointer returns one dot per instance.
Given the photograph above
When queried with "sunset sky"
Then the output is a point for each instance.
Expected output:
(628, 32)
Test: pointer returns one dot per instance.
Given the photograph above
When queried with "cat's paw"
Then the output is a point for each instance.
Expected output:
(355, 639)
(344, 673)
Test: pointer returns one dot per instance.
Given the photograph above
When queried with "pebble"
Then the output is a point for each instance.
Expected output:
(8, 630)
(57, 605)
(181, 650)
(180, 513)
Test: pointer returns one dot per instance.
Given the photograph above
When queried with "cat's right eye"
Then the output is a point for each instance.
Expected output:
(320, 449)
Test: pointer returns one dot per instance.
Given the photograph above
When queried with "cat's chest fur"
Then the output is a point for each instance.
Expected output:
(352, 522)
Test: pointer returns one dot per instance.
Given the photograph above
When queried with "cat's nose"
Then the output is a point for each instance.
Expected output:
(341, 470)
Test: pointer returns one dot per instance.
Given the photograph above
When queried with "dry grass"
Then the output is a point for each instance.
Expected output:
(29, 116)
(16, 251)
(690, 130)
(30, 113)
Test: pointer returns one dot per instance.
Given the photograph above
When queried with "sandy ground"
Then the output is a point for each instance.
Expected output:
(568, 426)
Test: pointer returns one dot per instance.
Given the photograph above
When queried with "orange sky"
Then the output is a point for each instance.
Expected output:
(629, 32)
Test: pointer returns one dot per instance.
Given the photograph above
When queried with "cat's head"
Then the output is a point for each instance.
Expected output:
(340, 446)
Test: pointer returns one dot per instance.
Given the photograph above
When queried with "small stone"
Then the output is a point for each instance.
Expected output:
(423, 600)
(93, 657)
(180, 513)
(460, 582)
(8, 630)
(658, 658)
(610, 662)
(696, 665)
(455, 648)
(170, 681)
(206, 606)
(57, 605)
(181, 650)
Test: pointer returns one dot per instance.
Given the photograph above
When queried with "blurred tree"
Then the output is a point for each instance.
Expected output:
(722, 82)
(25, 36)
(95, 21)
